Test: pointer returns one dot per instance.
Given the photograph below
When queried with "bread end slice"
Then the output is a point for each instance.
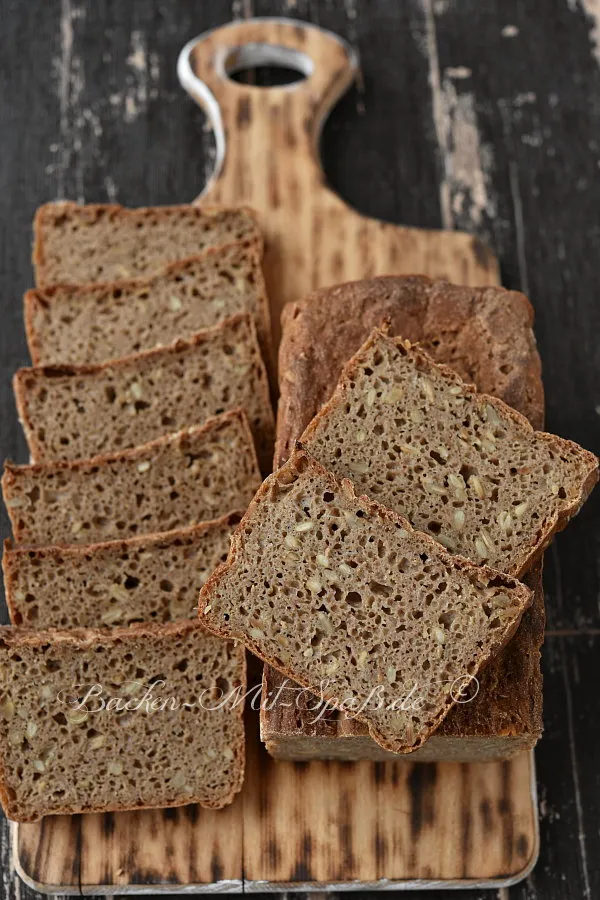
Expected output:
(344, 597)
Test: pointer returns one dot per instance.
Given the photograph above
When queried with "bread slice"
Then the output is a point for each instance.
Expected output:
(173, 482)
(460, 465)
(71, 412)
(486, 335)
(343, 596)
(114, 719)
(92, 323)
(76, 244)
(151, 578)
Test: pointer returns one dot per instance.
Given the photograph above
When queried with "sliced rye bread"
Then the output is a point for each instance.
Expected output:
(486, 335)
(63, 749)
(460, 465)
(175, 481)
(343, 596)
(92, 323)
(499, 718)
(151, 578)
(75, 244)
(73, 412)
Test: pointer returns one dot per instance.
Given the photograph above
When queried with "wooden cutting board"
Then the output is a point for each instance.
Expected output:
(319, 825)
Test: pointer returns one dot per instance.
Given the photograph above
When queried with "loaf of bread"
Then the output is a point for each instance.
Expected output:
(72, 412)
(76, 244)
(113, 719)
(463, 466)
(173, 482)
(151, 578)
(343, 596)
(92, 323)
(486, 335)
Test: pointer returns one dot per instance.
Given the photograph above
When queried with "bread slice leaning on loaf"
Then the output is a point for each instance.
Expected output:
(463, 466)
(173, 482)
(343, 596)
(486, 335)
(73, 412)
(151, 578)
(126, 718)
(92, 323)
(75, 244)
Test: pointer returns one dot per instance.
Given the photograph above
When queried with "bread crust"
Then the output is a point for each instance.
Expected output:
(155, 355)
(532, 552)
(86, 637)
(489, 329)
(301, 458)
(482, 330)
(94, 211)
(46, 295)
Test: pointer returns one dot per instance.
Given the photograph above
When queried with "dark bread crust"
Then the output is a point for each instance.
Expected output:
(299, 461)
(588, 462)
(263, 437)
(84, 638)
(486, 335)
(48, 214)
(44, 296)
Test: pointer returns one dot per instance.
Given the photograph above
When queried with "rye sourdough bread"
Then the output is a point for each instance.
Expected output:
(173, 482)
(76, 244)
(486, 335)
(463, 466)
(145, 737)
(92, 323)
(72, 412)
(151, 578)
(343, 596)
(499, 717)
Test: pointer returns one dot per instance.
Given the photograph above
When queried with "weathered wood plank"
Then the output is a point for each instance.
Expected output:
(539, 210)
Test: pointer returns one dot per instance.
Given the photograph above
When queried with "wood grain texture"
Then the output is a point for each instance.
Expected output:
(268, 158)
(90, 109)
(305, 826)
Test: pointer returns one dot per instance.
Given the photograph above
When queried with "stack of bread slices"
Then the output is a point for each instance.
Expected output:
(148, 418)
(379, 567)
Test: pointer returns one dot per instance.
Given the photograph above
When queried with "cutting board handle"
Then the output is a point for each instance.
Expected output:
(282, 119)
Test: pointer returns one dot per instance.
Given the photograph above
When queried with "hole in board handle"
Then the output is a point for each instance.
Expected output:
(267, 65)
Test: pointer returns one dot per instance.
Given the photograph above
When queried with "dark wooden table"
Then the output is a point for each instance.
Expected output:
(474, 114)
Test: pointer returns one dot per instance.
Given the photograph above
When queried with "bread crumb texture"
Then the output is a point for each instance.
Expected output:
(462, 466)
(82, 411)
(93, 323)
(153, 578)
(345, 598)
(173, 482)
(59, 754)
(77, 244)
